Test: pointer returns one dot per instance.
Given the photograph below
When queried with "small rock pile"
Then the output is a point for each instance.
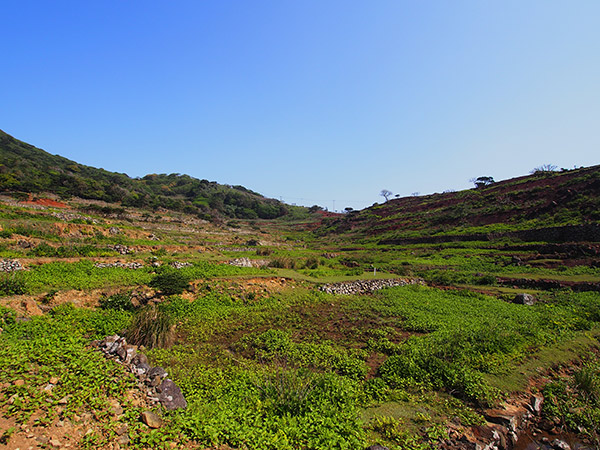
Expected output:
(247, 262)
(114, 230)
(365, 286)
(131, 265)
(152, 380)
(121, 249)
(241, 262)
(180, 265)
(10, 265)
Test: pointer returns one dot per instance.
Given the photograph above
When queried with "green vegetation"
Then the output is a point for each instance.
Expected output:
(264, 358)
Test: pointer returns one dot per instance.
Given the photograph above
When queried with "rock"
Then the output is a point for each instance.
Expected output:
(116, 408)
(55, 443)
(524, 299)
(139, 360)
(32, 308)
(535, 404)
(24, 244)
(241, 262)
(560, 445)
(114, 230)
(10, 265)
(500, 418)
(122, 429)
(54, 380)
(171, 396)
(151, 419)
(377, 447)
(123, 440)
(157, 372)
(19, 382)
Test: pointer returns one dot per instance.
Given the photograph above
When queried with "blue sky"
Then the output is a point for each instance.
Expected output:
(309, 101)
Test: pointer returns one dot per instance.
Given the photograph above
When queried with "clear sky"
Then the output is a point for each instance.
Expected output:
(311, 101)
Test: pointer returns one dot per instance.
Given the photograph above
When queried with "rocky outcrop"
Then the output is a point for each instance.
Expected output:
(366, 286)
(152, 380)
(10, 265)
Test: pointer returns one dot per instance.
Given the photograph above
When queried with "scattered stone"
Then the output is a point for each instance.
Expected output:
(153, 237)
(24, 244)
(64, 400)
(122, 429)
(19, 382)
(53, 380)
(151, 419)
(377, 447)
(10, 265)
(114, 230)
(123, 440)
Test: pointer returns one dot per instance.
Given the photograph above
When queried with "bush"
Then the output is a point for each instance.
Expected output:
(118, 302)
(170, 282)
(283, 263)
(12, 285)
(151, 328)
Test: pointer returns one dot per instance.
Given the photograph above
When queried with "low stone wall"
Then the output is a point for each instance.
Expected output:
(10, 265)
(366, 286)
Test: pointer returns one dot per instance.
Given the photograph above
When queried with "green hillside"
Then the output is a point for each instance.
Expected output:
(25, 168)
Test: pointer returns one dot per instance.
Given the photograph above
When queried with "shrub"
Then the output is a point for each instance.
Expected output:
(12, 285)
(170, 282)
(283, 263)
(118, 302)
(152, 328)
(287, 391)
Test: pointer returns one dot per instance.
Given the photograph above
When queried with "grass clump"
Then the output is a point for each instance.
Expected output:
(152, 328)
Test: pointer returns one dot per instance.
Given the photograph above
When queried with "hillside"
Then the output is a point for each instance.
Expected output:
(27, 169)
(544, 200)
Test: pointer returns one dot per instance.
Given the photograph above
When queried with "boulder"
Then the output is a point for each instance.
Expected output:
(170, 396)
(151, 419)
(524, 299)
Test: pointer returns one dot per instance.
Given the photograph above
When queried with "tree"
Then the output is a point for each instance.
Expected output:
(386, 194)
(482, 181)
(544, 168)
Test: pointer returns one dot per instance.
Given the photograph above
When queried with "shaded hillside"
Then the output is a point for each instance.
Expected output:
(544, 200)
(25, 168)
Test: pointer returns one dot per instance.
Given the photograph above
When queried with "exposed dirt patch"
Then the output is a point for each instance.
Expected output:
(45, 202)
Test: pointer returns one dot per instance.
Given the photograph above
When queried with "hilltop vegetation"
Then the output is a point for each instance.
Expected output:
(27, 169)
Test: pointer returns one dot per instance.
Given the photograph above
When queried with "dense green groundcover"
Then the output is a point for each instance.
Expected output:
(255, 377)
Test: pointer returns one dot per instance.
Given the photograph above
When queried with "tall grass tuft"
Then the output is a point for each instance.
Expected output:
(151, 328)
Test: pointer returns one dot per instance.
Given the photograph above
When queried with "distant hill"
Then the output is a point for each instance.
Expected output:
(25, 168)
(541, 201)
